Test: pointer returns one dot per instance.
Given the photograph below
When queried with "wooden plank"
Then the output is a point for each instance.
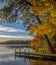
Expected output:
(35, 55)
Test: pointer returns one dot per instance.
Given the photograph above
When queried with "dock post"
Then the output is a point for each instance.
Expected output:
(29, 53)
(15, 54)
(25, 54)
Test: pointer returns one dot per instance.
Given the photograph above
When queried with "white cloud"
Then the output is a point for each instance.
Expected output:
(9, 29)
(19, 37)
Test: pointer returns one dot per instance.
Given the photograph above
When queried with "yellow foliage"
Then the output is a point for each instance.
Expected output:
(36, 42)
(47, 10)
(53, 13)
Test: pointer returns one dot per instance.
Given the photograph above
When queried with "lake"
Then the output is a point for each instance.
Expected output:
(7, 57)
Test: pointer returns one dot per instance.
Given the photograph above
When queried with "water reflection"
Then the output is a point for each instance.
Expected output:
(7, 57)
(42, 62)
(6, 53)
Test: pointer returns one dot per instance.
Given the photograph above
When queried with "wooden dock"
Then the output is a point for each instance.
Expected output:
(29, 55)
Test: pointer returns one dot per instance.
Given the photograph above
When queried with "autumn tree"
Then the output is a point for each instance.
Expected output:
(44, 10)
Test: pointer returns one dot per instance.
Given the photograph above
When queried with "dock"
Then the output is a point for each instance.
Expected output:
(31, 55)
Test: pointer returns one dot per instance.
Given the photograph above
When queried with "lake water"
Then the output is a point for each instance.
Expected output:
(7, 57)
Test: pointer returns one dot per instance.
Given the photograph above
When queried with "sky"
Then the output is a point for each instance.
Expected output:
(13, 31)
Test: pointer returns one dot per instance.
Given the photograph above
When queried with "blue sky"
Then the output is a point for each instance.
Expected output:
(12, 30)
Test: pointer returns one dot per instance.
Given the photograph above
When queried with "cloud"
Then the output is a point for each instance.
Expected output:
(9, 29)
(19, 37)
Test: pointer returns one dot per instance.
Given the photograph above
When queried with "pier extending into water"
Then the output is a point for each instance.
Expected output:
(32, 55)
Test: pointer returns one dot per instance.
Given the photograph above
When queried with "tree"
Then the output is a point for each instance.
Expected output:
(45, 9)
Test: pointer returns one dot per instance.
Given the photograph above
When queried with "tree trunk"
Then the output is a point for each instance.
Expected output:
(38, 19)
(49, 44)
